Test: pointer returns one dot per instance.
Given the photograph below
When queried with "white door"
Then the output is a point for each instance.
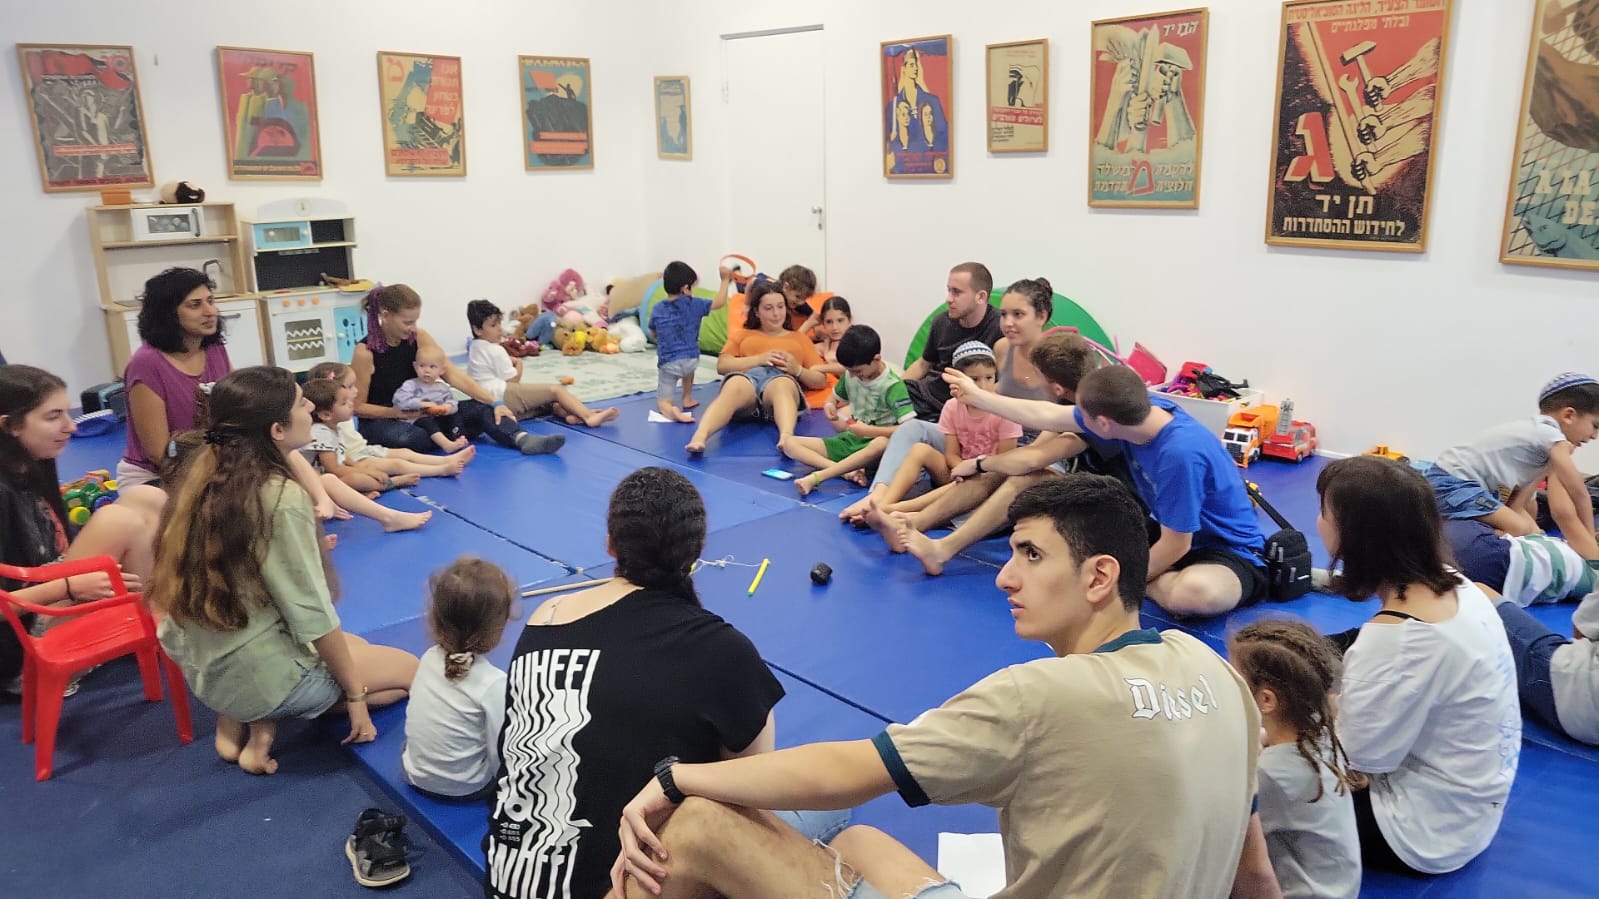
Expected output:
(775, 169)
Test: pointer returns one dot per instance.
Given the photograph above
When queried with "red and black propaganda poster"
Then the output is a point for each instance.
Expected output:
(1359, 90)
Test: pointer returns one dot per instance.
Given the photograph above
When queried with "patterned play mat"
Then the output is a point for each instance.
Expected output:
(600, 377)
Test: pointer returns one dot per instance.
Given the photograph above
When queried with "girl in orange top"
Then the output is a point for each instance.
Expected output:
(765, 366)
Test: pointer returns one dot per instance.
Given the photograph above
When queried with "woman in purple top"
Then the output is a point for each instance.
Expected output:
(182, 353)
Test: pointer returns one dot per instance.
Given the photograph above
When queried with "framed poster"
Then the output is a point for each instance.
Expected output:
(269, 114)
(1552, 212)
(1018, 97)
(423, 121)
(1147, 109)
(88, 124)
(674, 137)
(1355, 129)
(557, 113)
(917, 103)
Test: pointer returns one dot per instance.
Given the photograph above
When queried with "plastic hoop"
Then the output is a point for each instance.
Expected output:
(743, 267)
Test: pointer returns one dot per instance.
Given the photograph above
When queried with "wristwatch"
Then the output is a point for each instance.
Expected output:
(977, 461)
(663, 776)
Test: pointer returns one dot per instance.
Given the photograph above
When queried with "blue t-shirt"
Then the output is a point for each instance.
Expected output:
(1191, 484)
(676, 323)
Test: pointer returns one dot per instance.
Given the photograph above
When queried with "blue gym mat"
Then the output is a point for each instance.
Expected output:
(393, 568)
(555, 504)
(805, 715)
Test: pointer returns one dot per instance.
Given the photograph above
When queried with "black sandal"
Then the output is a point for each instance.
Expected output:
(377, 849)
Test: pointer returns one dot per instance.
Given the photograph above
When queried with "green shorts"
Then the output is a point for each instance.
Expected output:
(843, 445)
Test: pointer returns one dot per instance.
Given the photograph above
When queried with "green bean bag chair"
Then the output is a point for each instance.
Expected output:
(1067, 314)
(657, 292)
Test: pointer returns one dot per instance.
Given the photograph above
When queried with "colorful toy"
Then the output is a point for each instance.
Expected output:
(1196, 379)
(1383, 450)
(88, 493)
(566, 380)
(1269, 431)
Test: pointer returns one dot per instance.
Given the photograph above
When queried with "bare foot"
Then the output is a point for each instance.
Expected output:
(256, 756)
(886, 527)
(328, 542)
(452, 467)
(858, 478)
(679, 415)
(458, 444)
(928, 551)
(404, 521)
(405, 480)
(464, 456)
(806, 484)
(231, 736)
(689, 402)
(595, 419)
(696, 445)
(854, 512)
(372, 494)
(573, 420)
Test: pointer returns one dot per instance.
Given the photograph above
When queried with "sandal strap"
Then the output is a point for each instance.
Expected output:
(380, 823)
(384, 850)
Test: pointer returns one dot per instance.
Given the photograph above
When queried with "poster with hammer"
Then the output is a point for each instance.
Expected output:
(1552, 214)
(1359, 90)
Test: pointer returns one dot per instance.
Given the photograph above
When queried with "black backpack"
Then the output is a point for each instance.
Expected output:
(1287, 555)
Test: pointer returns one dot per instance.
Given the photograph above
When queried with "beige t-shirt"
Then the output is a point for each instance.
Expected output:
(1128, 771)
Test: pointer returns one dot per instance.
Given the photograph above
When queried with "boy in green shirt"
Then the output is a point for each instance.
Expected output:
(878, 403)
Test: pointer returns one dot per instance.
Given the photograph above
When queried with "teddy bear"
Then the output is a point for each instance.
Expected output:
(515, 339)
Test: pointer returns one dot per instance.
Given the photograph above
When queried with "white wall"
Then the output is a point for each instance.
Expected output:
(1414, 351)
(501, 232)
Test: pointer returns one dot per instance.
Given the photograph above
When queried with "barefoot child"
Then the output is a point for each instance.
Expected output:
(354, 445)
(492, 367)
(247, 608)
(675, 325)
(1306, 806)
(968, 433)
(878, 403)
(457, 705)
(331, 407)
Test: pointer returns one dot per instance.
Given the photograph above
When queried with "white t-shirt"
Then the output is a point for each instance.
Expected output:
(452, 728)
(490, 366)
(323, 440)
(1506, 457)
(1430, 711)
(1314, 846)
(355, 446)
(1574, 676)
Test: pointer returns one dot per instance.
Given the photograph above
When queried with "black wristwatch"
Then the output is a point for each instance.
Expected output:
(663, 776)
(977, 461)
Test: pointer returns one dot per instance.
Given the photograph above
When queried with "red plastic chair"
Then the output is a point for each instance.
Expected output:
(97, 632)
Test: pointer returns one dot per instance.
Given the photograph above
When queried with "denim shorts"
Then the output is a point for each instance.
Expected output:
(1460, 498)
(316, 692)
(670, 375)
(759, 377)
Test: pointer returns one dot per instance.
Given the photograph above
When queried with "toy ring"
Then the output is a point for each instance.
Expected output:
(743, 267)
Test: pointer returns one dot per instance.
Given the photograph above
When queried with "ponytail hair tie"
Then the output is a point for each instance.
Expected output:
(459, 658)
(214, 437)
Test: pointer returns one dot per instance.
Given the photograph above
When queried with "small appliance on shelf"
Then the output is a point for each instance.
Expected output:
(294, 245)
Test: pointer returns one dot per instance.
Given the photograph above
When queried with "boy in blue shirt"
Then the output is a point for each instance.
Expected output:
(675, 326)
(1209, 558)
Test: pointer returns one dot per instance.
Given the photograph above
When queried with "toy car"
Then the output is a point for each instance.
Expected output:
(1383, 450)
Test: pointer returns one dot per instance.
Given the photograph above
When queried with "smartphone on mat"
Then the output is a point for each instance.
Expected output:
(778, 473)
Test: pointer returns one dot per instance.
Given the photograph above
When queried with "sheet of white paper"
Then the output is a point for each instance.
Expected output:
(976, 861)
(656, 416)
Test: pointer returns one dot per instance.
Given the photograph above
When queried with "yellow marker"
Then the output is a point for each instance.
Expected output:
(761, 572)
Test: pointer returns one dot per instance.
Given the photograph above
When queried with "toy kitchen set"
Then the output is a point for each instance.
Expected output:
(299, 250)
(286, 309)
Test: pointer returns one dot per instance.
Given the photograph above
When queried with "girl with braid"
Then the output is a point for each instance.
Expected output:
(1307, 808)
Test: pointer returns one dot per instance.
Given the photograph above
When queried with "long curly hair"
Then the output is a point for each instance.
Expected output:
(216, 529)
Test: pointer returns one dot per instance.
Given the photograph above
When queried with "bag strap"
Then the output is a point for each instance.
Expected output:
(1270, 510)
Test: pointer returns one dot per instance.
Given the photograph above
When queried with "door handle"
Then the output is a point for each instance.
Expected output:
(817, 211)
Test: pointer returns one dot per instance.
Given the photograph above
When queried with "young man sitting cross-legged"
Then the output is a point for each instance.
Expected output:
(1123, 766)
(1209, 557)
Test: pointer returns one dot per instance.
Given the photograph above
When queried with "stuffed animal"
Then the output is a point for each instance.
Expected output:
(563, 335)
(629, 335)
(567, 287)
(576, 342)
(519, 348)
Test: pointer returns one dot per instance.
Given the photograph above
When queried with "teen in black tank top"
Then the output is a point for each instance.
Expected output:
(390, 369)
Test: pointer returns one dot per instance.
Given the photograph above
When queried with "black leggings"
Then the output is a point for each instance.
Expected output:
(471, 417)
(1375, 853)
